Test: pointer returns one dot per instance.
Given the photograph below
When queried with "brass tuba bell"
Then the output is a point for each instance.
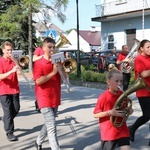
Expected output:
(62, 41)
(128, 66)
(124, 103)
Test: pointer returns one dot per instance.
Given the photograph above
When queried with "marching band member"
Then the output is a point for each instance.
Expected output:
(120, 59)
(142, 69)
(38, 53)
(111, 137)
(48, 93)
(9, 90)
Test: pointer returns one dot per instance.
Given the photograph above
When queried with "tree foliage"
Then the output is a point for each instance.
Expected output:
(14, 18)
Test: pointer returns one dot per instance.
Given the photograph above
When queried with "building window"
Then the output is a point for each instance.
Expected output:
(121, 2)
(110, 41)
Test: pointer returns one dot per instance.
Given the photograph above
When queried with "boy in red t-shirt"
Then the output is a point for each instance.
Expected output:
(9, 89)
(48, 93)
(111, 137)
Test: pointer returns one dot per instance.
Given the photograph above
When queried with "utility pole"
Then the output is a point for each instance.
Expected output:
(30, 38)
(78, 47)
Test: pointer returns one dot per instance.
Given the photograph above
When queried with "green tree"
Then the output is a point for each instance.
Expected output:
(16, 20)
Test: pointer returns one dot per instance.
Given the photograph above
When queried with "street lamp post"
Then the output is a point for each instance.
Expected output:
(78, 48)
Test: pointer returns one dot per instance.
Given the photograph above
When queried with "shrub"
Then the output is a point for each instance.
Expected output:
(91, 67)
(102, 77)
(94, 76)
(91, 76)
(86, 75)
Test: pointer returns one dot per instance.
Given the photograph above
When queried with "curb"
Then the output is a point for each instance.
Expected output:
(97, 85)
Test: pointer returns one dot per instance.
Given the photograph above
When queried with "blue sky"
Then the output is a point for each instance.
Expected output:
(86, 12)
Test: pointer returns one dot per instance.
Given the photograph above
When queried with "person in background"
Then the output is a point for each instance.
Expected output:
(38, 53)
(142, 69)
(114, 51)
(67, 56)
(48, 94)
(120, 59)
(9, 90)
(111, 137)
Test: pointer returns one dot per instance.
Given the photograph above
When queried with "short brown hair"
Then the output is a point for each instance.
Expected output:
(49, 40)
(6, 44)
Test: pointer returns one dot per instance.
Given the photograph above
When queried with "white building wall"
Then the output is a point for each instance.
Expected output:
(118, 27)
(109, 7)
(72, 37)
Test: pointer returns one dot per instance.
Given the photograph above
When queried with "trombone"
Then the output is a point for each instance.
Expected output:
(22, 73)
(68, 66)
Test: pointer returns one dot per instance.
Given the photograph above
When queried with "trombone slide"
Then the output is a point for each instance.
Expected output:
(63, 77)
(58, 58)
(22, 73)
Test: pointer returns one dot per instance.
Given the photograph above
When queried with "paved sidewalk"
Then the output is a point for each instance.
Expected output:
(77, 129)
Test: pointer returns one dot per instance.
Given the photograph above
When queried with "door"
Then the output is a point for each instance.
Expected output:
(130, 36)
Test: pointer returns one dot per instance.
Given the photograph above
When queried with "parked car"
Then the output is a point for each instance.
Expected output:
(84, 57)
(103, 58)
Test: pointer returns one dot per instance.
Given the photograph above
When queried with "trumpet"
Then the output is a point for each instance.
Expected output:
(128, 65)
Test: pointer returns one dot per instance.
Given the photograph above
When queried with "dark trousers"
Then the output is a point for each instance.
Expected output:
(145, 107)
(11, 106)
(126, 80)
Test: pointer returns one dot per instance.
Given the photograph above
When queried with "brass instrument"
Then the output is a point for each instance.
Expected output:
(24, 61)
(68, 65)
(125, 104)
(62, 41)
(128, 65)
(22, 73)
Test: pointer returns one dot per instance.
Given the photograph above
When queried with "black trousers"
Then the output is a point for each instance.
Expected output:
(126, 80)
(145, 107)
(11, 106)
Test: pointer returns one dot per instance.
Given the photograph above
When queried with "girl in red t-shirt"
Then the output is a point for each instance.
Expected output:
(111, 137)
(142, 69)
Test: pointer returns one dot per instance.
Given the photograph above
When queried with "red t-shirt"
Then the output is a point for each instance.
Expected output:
(38, 51)
(120, 57)
(142, 63)
(106, 101)
(48, 93)
(10, 84)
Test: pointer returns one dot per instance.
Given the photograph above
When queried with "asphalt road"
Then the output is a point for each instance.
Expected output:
(77, 129)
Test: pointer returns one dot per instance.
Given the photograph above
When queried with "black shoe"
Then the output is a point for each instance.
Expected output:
(38, 147)
(11, 137)
(37, 107)
(131, 133)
